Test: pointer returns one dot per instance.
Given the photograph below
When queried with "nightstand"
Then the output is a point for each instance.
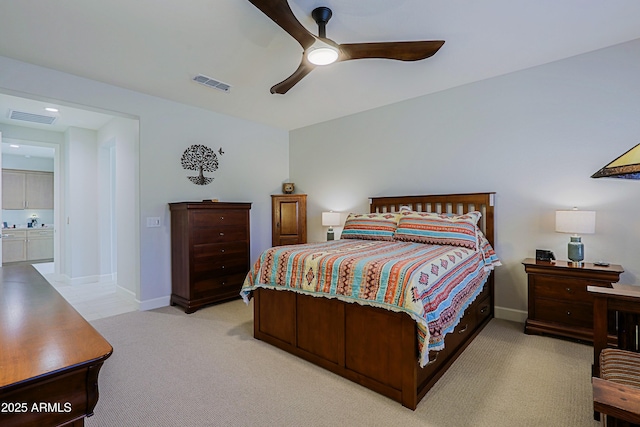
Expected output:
(559, 303)
(289, 219)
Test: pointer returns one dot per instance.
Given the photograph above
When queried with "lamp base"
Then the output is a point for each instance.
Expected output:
(330, 235)
(576, 250)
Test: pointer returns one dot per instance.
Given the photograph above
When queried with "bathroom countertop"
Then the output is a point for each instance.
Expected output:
(29, 228)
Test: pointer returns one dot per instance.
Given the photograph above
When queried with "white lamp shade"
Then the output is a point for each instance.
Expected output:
(576, 222)
(329, 219)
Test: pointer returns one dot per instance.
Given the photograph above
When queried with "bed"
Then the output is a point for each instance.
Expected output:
(393, 340)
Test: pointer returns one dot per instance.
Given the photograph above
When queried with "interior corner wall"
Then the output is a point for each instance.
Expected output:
(120, 138)
(106, 200)
(534, 137)
(81, 251)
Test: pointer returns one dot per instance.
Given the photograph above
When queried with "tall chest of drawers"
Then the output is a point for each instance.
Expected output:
(209, 252)
(559, 303)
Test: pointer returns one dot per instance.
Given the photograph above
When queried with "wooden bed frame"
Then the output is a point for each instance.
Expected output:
(373, 347)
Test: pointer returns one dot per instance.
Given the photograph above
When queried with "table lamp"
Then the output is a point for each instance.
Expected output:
(330, 219)
(576, 222)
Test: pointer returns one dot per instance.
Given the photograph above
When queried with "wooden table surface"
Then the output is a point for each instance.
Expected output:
(42, 337)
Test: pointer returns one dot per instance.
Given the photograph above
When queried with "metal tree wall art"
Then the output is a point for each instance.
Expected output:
(202, 159)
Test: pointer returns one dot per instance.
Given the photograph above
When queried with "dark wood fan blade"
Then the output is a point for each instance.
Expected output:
(305, 68)
(280, 13)
(402, 51)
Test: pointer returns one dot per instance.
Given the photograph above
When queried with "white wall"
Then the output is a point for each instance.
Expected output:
(80, 256)
(255, 162)
(534, 137)
(119, 227)
(12, 161)
(28, 135)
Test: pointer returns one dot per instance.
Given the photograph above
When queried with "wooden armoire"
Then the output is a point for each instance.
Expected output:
(289, 219)
(209, 252)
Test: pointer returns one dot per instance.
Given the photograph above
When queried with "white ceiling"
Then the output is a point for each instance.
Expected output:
(65, 116)
(157, 47)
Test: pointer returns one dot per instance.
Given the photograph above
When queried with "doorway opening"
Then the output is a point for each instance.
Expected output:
(93, 197)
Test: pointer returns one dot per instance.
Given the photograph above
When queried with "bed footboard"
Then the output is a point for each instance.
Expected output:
(373, 347)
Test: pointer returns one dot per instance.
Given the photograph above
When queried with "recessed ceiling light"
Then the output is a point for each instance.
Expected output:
(51, 109)
(14, 146)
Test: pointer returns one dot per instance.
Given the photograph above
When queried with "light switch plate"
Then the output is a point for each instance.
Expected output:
(153, 221)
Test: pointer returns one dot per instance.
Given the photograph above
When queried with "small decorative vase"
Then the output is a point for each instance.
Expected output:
(576, 249)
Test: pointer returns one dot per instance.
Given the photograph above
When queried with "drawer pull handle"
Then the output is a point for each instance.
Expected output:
(223, 267)
(434, 359)
(484, 309)
(568, 289)
(222, 217)
(222, 250)
(463, 329)
(568, 313)
(222, 234)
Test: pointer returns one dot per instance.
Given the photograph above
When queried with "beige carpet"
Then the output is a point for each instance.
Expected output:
(205, 369)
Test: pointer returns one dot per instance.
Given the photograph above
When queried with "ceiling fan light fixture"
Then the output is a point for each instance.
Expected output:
(323, 55)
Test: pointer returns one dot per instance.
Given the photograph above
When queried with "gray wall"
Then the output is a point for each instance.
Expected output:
(534, 137)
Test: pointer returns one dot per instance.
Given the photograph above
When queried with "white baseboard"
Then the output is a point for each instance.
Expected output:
(111, 277)
(519, 316)
(75, 281)
(127, 294)
(154, 303)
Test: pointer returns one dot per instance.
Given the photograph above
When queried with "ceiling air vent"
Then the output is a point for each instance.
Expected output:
(30, 117)
(208, 81)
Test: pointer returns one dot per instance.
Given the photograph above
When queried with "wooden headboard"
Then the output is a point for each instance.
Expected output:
(443, 203)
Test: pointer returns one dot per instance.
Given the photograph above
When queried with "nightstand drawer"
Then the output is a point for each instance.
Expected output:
(567, 313)
(566, 289)
(558, 301)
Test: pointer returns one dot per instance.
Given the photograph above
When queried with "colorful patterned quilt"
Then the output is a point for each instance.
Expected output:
(432, 284)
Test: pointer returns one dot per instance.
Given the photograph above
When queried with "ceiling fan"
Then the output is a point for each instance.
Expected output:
(319, 50)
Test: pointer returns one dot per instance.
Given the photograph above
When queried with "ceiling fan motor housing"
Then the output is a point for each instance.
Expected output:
(321, 15)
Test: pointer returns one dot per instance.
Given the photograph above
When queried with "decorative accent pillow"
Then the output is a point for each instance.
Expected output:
(373, 226)
(439, 229)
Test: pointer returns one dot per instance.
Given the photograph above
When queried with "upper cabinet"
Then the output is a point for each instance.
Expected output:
(27, 189)
(14, 184)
